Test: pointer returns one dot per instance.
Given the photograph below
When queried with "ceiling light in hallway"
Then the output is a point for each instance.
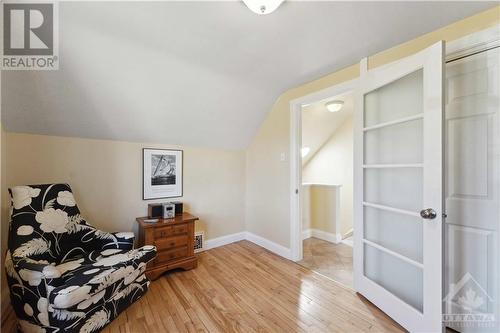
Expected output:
(334, 106)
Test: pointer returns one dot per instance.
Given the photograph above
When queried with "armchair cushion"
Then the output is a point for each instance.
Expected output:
(97, 271)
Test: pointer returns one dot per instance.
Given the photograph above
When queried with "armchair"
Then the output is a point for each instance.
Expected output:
(64, 274)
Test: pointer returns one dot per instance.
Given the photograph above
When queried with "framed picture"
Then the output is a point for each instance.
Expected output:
(162, 173)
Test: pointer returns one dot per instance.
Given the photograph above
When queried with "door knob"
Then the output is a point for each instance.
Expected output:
(428, 213)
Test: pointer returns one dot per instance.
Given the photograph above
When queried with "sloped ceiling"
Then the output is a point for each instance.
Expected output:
(319, 125)
(199, 73)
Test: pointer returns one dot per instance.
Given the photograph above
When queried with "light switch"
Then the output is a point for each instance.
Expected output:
(282, 157)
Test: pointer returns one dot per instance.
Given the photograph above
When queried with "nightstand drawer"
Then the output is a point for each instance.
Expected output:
(170, 230)
(164, 256)
(171, 242)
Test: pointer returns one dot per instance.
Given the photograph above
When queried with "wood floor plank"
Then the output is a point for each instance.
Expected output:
(242, 287)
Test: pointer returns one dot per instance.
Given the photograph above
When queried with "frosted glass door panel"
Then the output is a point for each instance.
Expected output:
(399, 188)
(395, 275)
(396, 144)
(399, 99)
(381, 226)
(393, 188)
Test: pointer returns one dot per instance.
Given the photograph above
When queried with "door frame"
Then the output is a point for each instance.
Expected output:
(296, 159)
(473, 43)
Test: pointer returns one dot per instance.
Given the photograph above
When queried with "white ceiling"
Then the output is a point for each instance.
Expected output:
(199, 73)
(319, 125)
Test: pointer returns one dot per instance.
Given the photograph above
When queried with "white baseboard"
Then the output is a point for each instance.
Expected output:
(306, 234)
(269, 245)
(245, 235)
(323, 235)
(224, 240)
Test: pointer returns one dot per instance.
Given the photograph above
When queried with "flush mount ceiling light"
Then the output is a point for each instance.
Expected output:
(304, 151)
(334, 106)
(263, 7)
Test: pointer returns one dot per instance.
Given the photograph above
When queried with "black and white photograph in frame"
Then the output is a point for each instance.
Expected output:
(162, 173)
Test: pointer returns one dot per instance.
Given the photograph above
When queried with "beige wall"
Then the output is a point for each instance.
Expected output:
(324, 208)
(268, 178)
(333, 164)
(320, 207)
(106, 177)
(4, 222)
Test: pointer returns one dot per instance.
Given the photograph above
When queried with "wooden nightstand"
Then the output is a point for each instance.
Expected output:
(174, 240)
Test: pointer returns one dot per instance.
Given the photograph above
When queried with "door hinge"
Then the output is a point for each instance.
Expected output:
(296, 191)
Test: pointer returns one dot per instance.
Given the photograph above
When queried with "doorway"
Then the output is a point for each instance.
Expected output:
(327, 187)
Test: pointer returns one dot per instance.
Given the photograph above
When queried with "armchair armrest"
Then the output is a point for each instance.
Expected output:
(114, 240)
(125, 240)
(47, 271)
(35, 272)
(30, 285)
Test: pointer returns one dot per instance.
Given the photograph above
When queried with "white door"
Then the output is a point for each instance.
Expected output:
(398, 189)
(472, 192)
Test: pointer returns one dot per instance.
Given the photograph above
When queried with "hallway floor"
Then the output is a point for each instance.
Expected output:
(329, 259)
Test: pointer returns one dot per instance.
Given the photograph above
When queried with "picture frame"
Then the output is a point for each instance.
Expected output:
(162, 173)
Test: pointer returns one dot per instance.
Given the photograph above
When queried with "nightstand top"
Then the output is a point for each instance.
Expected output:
(178, 219)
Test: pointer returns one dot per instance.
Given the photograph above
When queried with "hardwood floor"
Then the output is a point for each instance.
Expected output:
(242, 287)
(331, 260)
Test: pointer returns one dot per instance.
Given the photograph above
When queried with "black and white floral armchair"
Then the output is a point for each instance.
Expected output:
(65, 275)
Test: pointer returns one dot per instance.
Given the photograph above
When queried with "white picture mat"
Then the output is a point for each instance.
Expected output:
(161, 191)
